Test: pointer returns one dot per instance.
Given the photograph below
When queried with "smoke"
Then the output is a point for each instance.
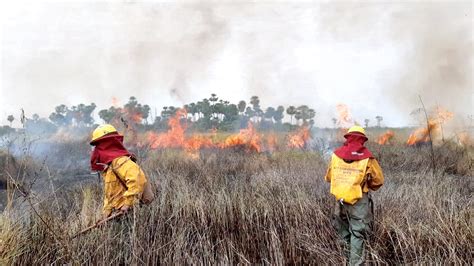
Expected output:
(375, 57)
(439, 56)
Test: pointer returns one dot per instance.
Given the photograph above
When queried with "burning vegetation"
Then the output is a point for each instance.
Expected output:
(433, 128)
(299, 139)
(385, 138)
(230, 179)
(344, 116)
(248, 138)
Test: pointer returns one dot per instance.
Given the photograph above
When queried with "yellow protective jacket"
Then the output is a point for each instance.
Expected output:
(350, 180)
(124, 182)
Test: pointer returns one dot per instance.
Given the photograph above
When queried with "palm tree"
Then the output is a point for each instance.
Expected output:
(10, 119)
(241, 106)
(291, 110)
(379, 119)
(278, 114)
(255, 102)
(249, 112)
(269, 113)
(366, 122)
(311, 115)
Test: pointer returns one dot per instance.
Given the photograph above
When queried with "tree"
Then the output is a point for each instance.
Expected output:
(10, 119)
(213, 98)
(136, 112)
(60, 115)
(298, 117)
(192, 109)
(379, 120)
(304, 113)
(241, 106)
(82, 114)
(108, 115)
(278, 114)
(36, 117)
(255, 102)
(311, 115)
(291, 111)
(366, 122)
(257, 111)
(249, 112)
(269, 113)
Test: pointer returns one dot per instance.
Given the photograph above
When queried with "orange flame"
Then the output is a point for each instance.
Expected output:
(344, 115)
(248, 138)
(421, 135)
(385, 137)
(443, 115)
(299, 138)
(134, 117)
(173, 138)
(464, 139)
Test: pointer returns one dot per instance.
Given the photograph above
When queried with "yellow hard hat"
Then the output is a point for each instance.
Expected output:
(356, 129)
(101, 131)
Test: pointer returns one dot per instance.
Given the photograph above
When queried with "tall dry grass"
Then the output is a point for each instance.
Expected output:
(232, 207)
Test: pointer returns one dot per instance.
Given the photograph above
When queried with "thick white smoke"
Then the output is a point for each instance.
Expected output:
(375, 57)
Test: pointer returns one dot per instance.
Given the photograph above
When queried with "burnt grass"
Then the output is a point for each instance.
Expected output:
(235, 207)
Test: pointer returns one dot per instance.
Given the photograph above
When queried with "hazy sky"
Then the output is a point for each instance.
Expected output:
(376, 57)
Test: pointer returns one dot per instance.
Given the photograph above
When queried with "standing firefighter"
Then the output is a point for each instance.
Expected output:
(125, 184)
(353, 171)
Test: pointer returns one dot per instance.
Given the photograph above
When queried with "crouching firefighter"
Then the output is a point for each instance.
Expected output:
(353, 172)
(125, 184)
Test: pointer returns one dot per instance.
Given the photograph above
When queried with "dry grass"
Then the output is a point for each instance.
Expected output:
(231, 207)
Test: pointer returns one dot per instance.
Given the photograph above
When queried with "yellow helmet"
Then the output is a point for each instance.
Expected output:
(101, 131)
(356, 129)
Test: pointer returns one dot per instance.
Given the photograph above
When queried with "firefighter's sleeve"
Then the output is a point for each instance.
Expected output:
(107, 209)
(328, 174)
(375, 173)
(133, 177)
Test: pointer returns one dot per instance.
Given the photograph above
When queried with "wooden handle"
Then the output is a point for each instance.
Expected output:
(99, 223)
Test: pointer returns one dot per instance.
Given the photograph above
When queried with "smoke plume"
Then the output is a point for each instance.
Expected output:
(375, 57)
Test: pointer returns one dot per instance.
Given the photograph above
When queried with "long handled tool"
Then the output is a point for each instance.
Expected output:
(98, 224)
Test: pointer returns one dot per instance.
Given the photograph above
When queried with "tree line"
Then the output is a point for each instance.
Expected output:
(206, 114)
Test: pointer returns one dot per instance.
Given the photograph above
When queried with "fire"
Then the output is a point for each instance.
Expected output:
(299, 138)
(422, 135)
(248, 138)
(197, 142)
(443, 115)
(174, 137)
(464, 139)
(136, 117)
(385, 138)
(344, 115)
